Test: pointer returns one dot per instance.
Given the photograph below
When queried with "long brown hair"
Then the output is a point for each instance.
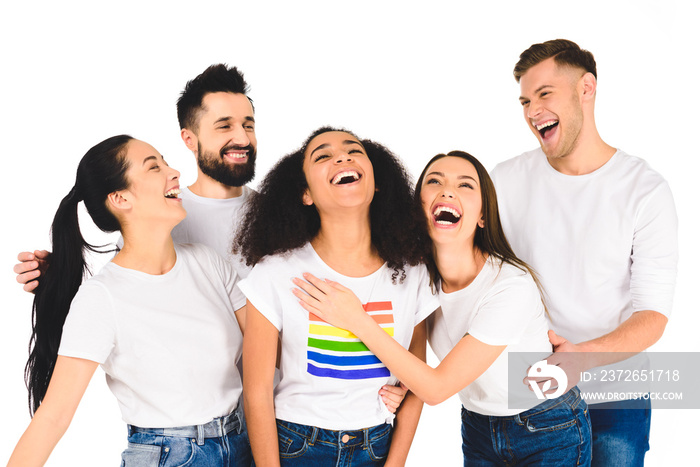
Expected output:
(490, 239)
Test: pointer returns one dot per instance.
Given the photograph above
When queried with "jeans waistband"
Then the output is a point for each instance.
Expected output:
(570, 398)
(216, 428)
(345, 438)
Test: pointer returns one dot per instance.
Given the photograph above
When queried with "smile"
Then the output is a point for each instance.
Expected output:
(345, 177)
(546, 127)
(172, 193)
(445, 215)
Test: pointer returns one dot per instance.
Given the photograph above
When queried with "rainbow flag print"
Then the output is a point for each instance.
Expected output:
(337, 353)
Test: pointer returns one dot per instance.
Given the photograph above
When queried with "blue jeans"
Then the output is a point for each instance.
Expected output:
(221, 442)
(620, 432)
(303, 445)
(555, 432)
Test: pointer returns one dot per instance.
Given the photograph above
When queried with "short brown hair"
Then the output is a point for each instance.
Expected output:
(565, 52)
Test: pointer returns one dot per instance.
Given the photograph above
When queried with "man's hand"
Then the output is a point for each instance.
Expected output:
(567, 356)
(30, 267)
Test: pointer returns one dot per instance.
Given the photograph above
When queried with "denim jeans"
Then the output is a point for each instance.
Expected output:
(620, 432)
(303, 445)
(555, 432)
(221, 442)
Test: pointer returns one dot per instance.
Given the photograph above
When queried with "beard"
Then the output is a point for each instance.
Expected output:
(214, 166)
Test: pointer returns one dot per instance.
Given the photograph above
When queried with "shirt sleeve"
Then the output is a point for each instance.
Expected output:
(655, 253)
(90, 328)
(506, 311)
(260, 289)
(230, 279)
(427, 302)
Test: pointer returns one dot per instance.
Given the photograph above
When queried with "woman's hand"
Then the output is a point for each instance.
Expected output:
(332, 302)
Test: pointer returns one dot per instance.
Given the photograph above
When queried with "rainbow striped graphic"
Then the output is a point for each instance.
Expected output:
(337, 353)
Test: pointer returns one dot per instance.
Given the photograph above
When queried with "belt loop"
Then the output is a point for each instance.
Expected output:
(237, 413)
(365, 444)
(200, 435)
(314, 434)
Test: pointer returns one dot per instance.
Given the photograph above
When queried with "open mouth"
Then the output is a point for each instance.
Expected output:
(546, 128)
(345, 177)
(444, 215)
(172, 193)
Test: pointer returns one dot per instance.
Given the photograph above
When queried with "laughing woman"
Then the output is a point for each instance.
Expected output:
(153, 318)
(490, 307)
(339, 207)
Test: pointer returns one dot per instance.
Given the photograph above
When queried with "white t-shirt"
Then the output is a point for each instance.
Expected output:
(502, 306)
(212, 222)
(329, 379)
(604, 244)
(168, 343)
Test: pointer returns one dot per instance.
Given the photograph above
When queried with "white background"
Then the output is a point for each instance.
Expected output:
(421, 79)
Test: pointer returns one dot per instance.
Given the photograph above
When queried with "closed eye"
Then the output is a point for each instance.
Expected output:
(321, 156)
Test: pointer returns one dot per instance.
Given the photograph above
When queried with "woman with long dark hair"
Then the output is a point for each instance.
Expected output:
(491, 307)
(161, 319)
(340, 207)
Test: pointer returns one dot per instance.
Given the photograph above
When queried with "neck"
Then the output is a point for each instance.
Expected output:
(589, 154)
(344, 242)
(207, 187)
(458, 265)
(147, 250)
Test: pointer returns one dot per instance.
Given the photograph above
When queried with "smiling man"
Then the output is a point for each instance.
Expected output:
(217, 124)
(599, 226)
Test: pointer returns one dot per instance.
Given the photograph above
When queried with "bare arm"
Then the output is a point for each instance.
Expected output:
(68, 383)
(259, 357)
(637, 333)
(240, 317)
(30, 267)
(467, 361)
(409, 414)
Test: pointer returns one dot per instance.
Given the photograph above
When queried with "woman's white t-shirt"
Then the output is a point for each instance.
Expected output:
(168, 343)
(502, 306)
(328, 378)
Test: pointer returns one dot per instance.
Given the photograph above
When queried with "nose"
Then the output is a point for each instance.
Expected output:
(240, 136)
(343, 157)
(447, 193)
(534, 109)
(174, 174)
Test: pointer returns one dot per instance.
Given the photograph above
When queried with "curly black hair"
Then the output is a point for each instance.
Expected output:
(276, 220)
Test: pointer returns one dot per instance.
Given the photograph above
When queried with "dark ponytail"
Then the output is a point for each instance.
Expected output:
(101, 171)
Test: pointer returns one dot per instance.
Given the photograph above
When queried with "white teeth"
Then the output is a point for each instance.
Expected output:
(545, 125)
(237, 155)
(347, 173)
(172, 193)
(441, 209)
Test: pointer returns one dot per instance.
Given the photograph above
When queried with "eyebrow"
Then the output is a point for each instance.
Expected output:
(538, 90)
(459, 177)
(248, 118)
(148, 159)
(326, 145)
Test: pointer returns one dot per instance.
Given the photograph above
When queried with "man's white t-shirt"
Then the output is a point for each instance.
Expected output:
(329, 379)
(502, 306)
(604, 244)
(212, 222)
(168, 343)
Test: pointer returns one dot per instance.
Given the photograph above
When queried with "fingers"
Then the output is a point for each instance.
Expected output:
(41, 254)
(24, 267)
(30, 286)
(26, 256)
(554, 339)
(392, 396)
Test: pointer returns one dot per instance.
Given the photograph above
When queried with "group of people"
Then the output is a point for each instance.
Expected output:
(329, 280)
